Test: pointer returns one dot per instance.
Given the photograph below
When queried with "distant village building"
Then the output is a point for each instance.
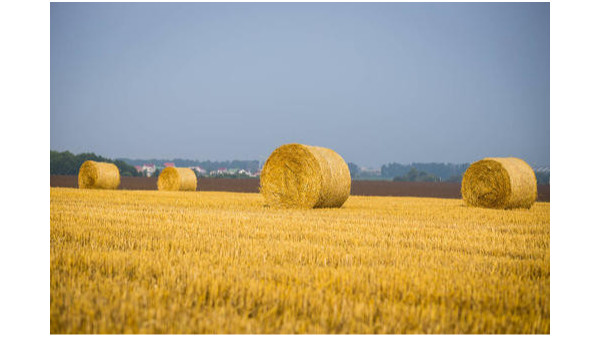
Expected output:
(199, 170)
(243, 172)
(219, 171)
(371, 171)
(541, 169)
(148, 169)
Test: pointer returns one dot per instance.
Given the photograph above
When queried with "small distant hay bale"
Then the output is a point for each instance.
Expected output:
(177, 179)
(302, 176)
(98, 175)
(500, 183)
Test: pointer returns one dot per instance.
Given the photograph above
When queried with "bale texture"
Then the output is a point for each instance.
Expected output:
(177, 179)
(98, 175)
(302, 176)
(500, 183)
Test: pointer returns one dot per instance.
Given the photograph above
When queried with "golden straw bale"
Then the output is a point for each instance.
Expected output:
(500, 183)
(98, 175)
(302, 176)
(177, 179)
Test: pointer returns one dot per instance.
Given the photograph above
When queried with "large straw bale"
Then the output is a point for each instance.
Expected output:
(302, 176)
(98, 175)
(500, 183)
(177, 179)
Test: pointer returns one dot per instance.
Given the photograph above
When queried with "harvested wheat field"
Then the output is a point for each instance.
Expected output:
(216, 262)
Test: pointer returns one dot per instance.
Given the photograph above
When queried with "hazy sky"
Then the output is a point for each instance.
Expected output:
(378, 83)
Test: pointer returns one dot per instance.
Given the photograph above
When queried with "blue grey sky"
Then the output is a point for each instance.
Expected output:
(376, 82)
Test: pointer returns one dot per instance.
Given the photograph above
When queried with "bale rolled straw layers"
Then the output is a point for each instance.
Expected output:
(98, 175)
(500, 183)
(177, 179)
(302, 176)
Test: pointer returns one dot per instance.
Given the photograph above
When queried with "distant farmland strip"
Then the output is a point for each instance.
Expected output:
(149, 183)
(360, 188)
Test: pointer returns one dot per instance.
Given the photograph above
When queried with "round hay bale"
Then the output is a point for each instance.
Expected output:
(177, 179)
(98, 175)
(500, 183)
(302, 176)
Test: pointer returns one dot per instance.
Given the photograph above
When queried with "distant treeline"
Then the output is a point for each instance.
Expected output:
(414, 175)
(425, 172)
(250, 166)
(543, 177)
(448, 172)
(66, 163)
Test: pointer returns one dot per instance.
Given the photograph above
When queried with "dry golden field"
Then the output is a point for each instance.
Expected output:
(216, 262)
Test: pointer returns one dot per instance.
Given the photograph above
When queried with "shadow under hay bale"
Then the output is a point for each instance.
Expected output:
(98, 175)
(177, 179)
(500, 183)
(302, 176)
